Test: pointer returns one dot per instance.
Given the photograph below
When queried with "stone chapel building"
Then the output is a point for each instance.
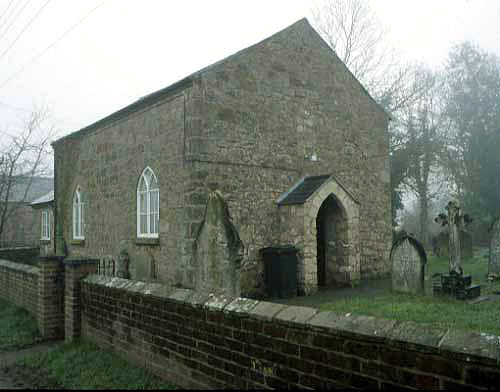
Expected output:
(295, 145)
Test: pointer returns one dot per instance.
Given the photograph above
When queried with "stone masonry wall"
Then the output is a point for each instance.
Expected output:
(19, 285)
(107, 164)
(253, 118)
(208, 342)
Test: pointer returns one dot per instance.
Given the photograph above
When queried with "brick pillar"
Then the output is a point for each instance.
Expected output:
(51, 297)
(76, 268)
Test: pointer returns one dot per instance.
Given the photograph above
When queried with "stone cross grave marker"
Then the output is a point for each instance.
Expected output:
(456, 283)
(456, 222)
(494, 257)
(408, 260)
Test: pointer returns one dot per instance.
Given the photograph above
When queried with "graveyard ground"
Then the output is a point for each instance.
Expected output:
(375, 298)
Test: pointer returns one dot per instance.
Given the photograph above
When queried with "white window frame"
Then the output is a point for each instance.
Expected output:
(45, 225)
(78, 215)
(148, 213)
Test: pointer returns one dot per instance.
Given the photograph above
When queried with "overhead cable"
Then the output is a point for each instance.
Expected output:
(6, 9)
(4, 32)
(60, 38)
(24, 29)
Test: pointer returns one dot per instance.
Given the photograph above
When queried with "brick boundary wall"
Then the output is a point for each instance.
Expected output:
(214, 342)
(75, 269)
(19, 285)
(51, 297)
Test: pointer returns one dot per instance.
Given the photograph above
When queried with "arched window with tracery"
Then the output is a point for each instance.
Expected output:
(148, 205)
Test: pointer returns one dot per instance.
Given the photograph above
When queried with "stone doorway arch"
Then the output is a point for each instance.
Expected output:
(332, 244)
(331, 255)
(299, 210)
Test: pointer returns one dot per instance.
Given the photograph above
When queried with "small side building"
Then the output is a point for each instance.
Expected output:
(43, 223)
(19, 230)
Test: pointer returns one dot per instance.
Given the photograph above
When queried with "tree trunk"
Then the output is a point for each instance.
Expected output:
(424, 215)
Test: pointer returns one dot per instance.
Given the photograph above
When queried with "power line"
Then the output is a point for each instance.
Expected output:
(6, 9)
(14, 19)
(40, 54)
(24, 29)
(9, 14)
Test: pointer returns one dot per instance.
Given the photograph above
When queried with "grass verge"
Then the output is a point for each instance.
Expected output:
(18, 328)
(442, 311)
(83, 365)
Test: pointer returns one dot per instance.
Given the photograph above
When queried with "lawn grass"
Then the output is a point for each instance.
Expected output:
(83, 365)
(18, 328)
(442, 311)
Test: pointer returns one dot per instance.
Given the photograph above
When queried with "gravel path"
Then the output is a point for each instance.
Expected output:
(9, 378)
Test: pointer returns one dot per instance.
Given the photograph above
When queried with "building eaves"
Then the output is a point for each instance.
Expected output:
(140, 104)
(48, 198)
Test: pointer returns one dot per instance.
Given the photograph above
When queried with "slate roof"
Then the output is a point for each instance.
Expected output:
(48, 198)
(301, 191)
(39, 186)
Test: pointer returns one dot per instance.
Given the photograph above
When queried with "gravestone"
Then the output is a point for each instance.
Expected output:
(218, 250)
(494, 257)
(408, 261)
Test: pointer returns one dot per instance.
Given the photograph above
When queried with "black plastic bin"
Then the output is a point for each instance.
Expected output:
(280, 271)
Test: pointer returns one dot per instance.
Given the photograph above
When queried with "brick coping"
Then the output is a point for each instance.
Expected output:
(19, 267)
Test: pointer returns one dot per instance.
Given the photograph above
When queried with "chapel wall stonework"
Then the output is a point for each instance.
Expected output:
(258, 114)
(246, 127)
(107, 164)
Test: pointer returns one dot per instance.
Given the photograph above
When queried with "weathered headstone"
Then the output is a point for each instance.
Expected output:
(408, 260)
(494, 257)
(218, 250)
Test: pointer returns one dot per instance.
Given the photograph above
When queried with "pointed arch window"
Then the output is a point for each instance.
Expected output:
(78, 215)
(148, 205)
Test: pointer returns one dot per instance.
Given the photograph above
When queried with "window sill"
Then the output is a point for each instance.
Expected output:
(77, 242)
(147, 241)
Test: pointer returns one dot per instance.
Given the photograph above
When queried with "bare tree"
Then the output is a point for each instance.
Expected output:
(423, 124)
(356, 35)
(24, 156)
(354, 32)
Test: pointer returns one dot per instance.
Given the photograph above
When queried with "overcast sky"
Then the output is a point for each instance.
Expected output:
(101, 59)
